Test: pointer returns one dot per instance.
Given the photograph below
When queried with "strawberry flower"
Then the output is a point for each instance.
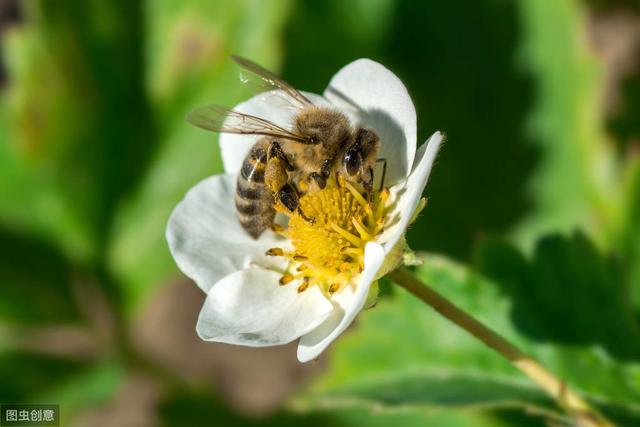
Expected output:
(304, 280)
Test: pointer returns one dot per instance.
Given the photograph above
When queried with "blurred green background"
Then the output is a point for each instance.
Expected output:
(533, 222)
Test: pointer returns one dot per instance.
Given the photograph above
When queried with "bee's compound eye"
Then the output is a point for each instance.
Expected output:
(352, 162)
(314, 140)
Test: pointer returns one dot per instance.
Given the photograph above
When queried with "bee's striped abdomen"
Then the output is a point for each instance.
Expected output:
(254, 201)
(253, 168)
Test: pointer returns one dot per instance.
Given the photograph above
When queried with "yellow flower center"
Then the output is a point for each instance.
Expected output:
(330, 235)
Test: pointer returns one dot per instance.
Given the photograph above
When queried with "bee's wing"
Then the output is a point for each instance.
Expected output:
(260, 79)
(222, 119)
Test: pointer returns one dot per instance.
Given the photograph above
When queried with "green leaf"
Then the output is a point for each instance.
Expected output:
(36, 281)
(29, 199)
(567, 293)
(90, 387)
(628, 234)
(79, 123)
(574, 184)
(624, 122)
(73, 384)
(195, 410)
(189, 46)
(24, 375)
(439, 388)
(402, 353)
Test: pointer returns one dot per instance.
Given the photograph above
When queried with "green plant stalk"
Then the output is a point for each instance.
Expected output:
(584, 414)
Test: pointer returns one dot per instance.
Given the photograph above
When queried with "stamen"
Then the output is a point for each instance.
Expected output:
(344, 233)
(363, 233)
(363, 202)
(305, 284)
(334, 288)
(287, 278)
(369, 211)
(277, 228)
(299, 258)
(382, 199)
(352, 251)
(274, 252)
(302, 267)
(356, 194)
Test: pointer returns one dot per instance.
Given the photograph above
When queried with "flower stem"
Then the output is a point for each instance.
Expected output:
(584, 414)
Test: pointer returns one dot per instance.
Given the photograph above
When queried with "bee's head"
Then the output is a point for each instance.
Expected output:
(361, 154)
(321, 125)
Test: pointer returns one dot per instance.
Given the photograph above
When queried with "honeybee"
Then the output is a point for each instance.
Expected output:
(287, 162)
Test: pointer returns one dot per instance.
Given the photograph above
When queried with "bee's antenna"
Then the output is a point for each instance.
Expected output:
(384, 172)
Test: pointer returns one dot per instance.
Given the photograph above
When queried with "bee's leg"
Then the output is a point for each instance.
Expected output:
(276, 151)
(384, 172)
(288, 196)
(322, 176)
(309, 219)
(319, 179)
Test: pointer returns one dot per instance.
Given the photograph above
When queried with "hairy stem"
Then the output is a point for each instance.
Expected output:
(584, 414)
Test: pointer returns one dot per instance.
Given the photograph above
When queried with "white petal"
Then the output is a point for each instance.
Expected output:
(249, 307)
(347, 304)
(234, 147)
(206, 239)
(408, 196)
(375, 97)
